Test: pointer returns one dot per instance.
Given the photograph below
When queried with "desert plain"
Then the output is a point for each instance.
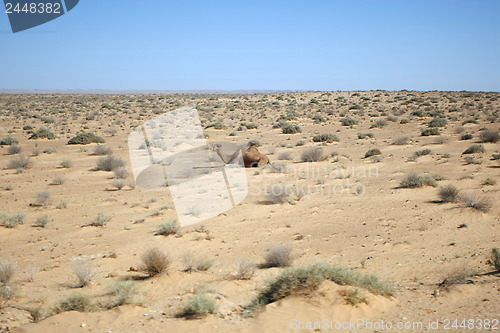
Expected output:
(386, 210)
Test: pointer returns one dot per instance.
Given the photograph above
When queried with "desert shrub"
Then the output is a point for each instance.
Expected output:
(401, 141)
(466, 137)
(306, 279)
(100, 220)
(348, 121)
(120, 172)
(365, 135)
(85, 139)
(422, 152)
(84, 273)
(166, 228)
(6, 293)
(489, 181)
(119, 183)
(326, 137)
(448, 193)
(278, 193)
(109, 163)
(372, 152)
(20, 162)
(300, 143)
(245, 269)
(458, 276)
(438, 122)
(290, 129)
(193, 263)
(217, 125)
(469, 121)
(285, 155)
(12, 221)
(254, 142)
(154, 262)
(312, 154)
(102, 150)
(42, 198)
(475, 149)
(430, 131)
(414, 180)
(496, 156)
(27, 127)
(42, 133)
(404, 121)
(41, 221)
(74, 302)
(14, 149)
(58, 180)
(471, 160)
(197, 306)
(379, 123)
(8, 140)
(66, 164)
(472, 201)
(49, 150)
(122, 293)
(278, 256)
(495, 259)
(7, 270)
(489, 136)
(318, 119)
(355, 297)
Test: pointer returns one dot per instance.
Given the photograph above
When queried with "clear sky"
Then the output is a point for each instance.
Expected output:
(273, 44)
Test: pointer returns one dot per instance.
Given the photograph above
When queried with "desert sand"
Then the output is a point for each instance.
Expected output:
(352, 212)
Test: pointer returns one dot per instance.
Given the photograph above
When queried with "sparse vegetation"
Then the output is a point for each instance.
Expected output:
(348, 121)
(474, 149)
(430, 131)
(197, 306)
(109, 163)
(372, 152)
(85, 139)
(66, 164)
(326, 137)
(154, 262)
(245, 269)
(102, 150)
(448, 193)
(119, 183)
(74, 302)
(490, 136)
(19, 162)
(472, 201)
(414, 180)
(312, 154)
(14, 149)
(290, 129)
(306, 279)
(495, 259)
(278, 256)
(278, 193)
(43, 133)
(166, 228)
(84, 273)
(100, 220)
(8, 141)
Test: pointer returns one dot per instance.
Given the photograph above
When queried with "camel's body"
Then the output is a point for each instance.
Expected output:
(252, 157)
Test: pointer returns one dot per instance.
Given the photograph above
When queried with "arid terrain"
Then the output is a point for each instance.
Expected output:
(387, 210)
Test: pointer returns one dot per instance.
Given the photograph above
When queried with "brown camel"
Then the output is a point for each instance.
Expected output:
(251, 156)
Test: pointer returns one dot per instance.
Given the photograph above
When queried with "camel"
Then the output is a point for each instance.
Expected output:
(251, 156)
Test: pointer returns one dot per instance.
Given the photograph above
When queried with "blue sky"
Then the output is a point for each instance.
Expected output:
(283, 45)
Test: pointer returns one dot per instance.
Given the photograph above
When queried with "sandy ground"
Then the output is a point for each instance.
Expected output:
(355, 214)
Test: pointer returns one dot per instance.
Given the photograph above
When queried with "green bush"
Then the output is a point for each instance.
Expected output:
(365, 135)
(475, 149)
(109, 163)
(306, 279)
(422, 152)
(168, 228)
(85, 139)
(466, 137)
(326, 137)
(290, 129)
(448, 193)
(75, 302)
(431, 131)
(414, 180)
(198, 306)
(438, 122)
(42, 133)
(372, 152)
(495, 259)
(7, 141)
(348, 121)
